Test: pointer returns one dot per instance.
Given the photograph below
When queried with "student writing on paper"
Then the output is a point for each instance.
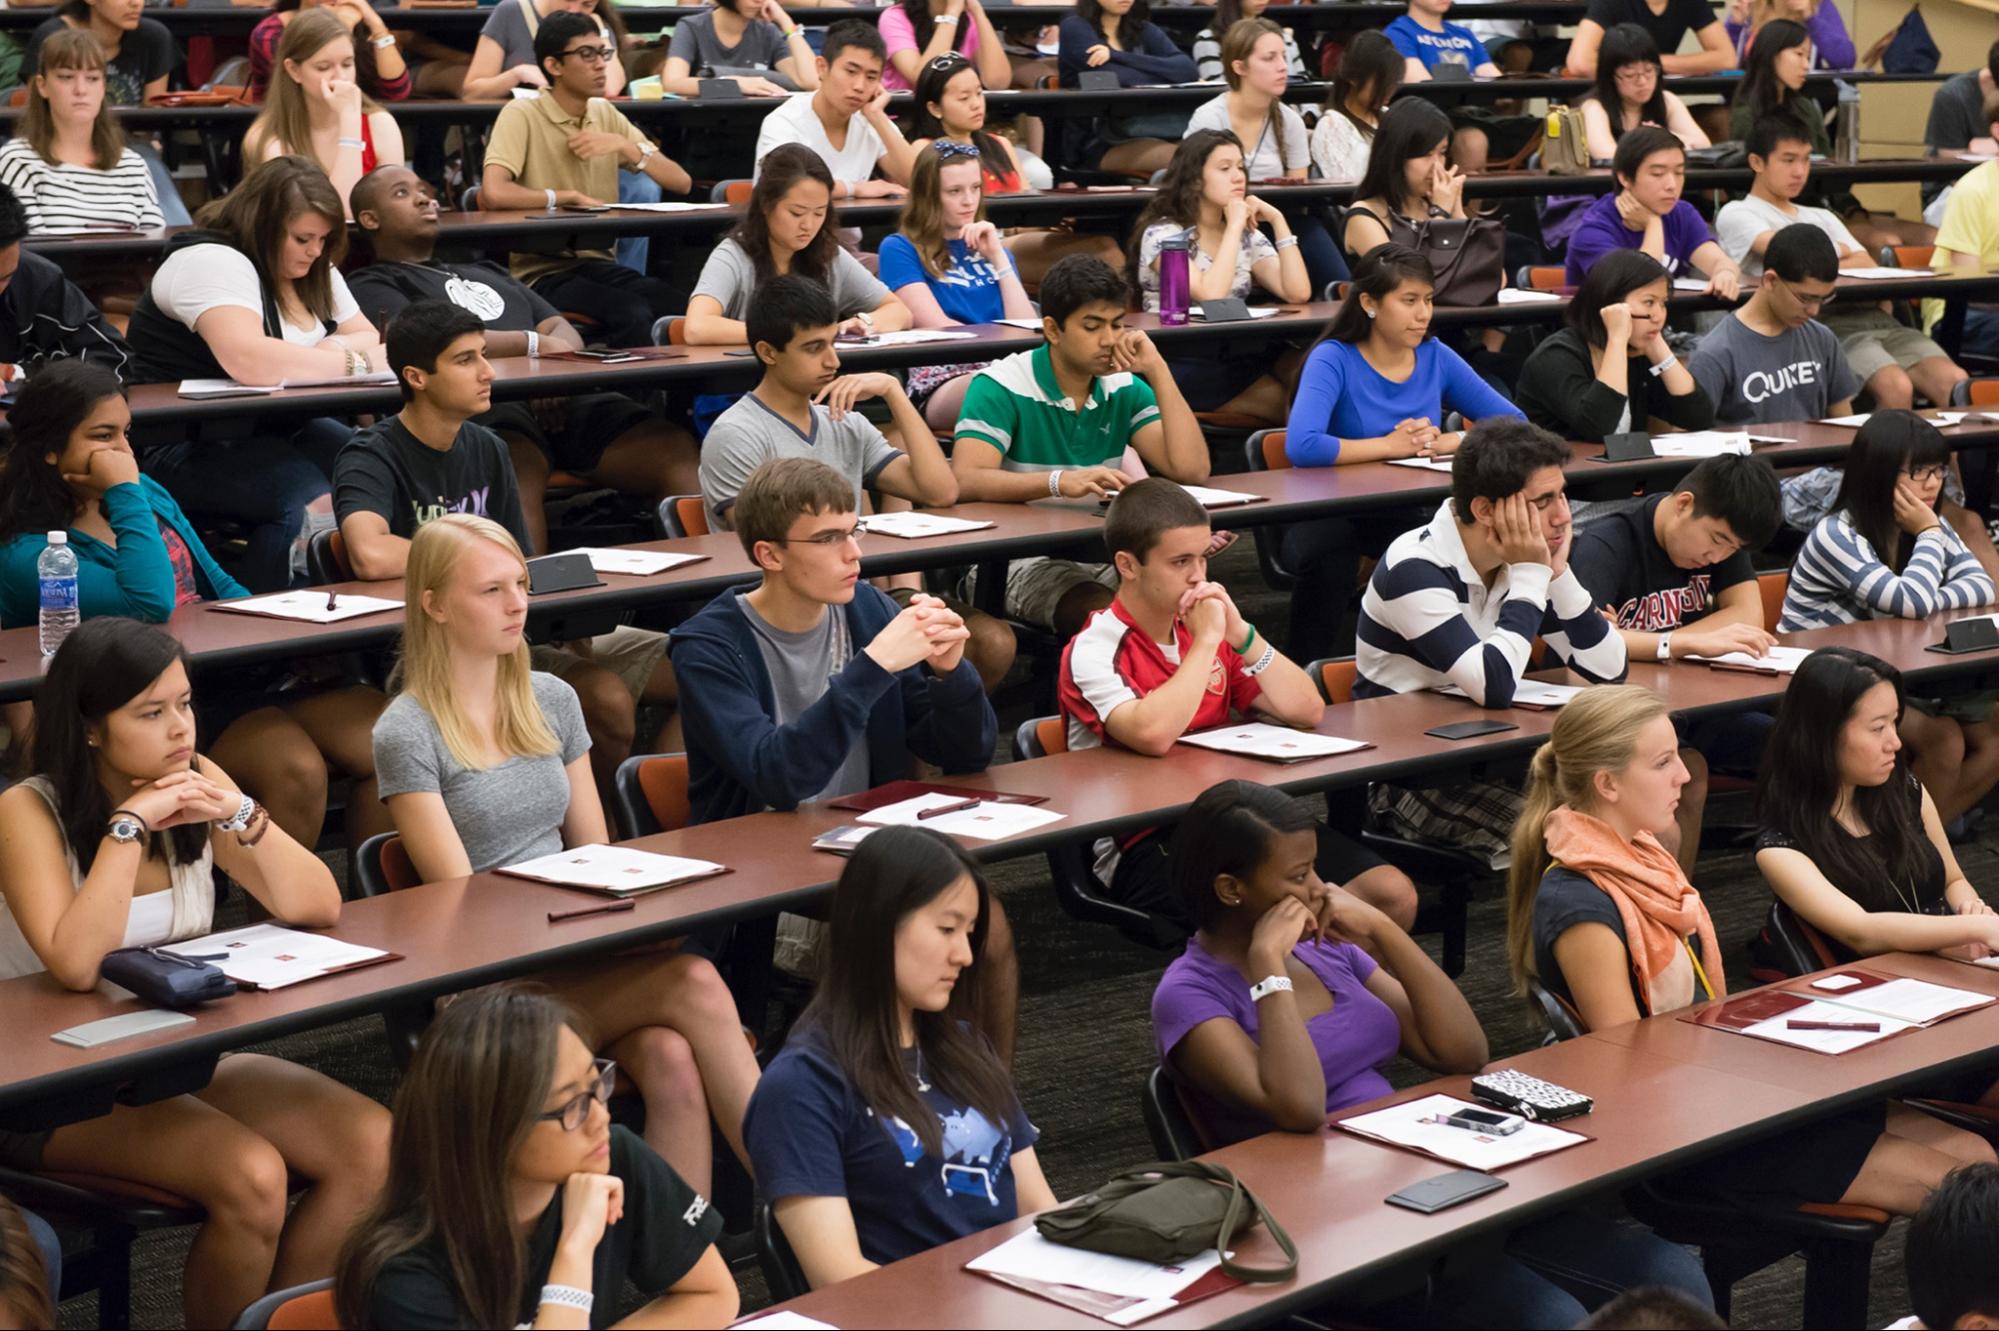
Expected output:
(610, 439)
(69, 467)
(1852, 838)
(484, 763)
(889, 1123)
(434, 458)
(1673, 571)
(1172, 654)
(1601, 916)
(805, 408)
(112, 844)
(1290, 997)
(515, 1201)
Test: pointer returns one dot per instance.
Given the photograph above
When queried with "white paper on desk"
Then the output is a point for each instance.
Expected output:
(1783, 660)
(1530, 692)
(1259, 739)
(1209, 497)
(1826, 1042)
(1886, 272)
(1031, 325)
(208, 388)
(988, 820)
(909, 336)
(1255, 312)
(1860, 419)
(344, 381)
(1525, 296)
(309, 606)
(668, 206)
(611, 868)
(1413, 1125)
(1915, 1001)
(1690, 284)
(642, 563)
(1028, 1256)
(1699, 444)
(914, 526)
(782, 1321)
(266, 956)
(1426, 464)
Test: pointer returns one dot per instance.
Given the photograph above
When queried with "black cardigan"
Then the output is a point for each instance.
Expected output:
(1559, 391)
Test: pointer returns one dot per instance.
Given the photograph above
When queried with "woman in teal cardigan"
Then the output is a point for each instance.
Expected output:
(69, 465)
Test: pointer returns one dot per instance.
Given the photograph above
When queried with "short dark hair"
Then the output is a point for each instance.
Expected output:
(559, 29)
(1146, 510)
(784, 305)
(1653, 1308)
(1769, 131)
(1079, 280)
(13, 219)
(1609, 281)
(1639, 144)
(1741, 491)
(778, 492)
(1992, 107)
(1496, 458)
(419, 335)
(1952, 1246)
(854, 32)
(1801, 252)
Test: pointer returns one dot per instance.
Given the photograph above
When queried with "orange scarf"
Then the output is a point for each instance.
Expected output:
(1659, 908)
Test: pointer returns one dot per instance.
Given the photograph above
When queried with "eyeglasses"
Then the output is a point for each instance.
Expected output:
(1921, 475)
(596, 55)
(826, 539)
(948, 149)
(1810, 304)
(1637, 73)
(575, 1112)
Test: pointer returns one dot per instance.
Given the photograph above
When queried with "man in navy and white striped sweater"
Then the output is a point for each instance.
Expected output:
(1461, 600)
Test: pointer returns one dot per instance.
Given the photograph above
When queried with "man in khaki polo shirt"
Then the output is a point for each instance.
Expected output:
(564, 148)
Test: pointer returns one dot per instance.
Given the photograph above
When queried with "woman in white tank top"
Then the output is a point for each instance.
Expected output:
(112, 844)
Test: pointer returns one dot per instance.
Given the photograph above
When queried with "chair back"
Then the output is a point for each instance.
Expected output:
(651, 791)
(1797, 947)
(382, 865)
(676, 331)
(326, 557)
(307, 1307)
(1910, 256)
(1983, 393)
(732, 192)
(1335, 676)
(1543, 277)
(1562, 1020)
(782, 1273)
(1264, 451)
(1772, 587)
(1041, 736)
(681, 516)
(1175, 1135)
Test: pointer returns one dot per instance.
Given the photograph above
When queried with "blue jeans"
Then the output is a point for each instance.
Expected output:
(634, 251)
(264, 480)
(171, 207)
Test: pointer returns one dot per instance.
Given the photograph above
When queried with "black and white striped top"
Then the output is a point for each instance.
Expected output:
(60, 197)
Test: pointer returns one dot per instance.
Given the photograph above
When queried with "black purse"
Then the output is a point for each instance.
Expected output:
(1468, 254)
(165, 979)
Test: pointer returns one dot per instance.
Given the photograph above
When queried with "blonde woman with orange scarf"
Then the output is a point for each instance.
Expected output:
(1601, 914)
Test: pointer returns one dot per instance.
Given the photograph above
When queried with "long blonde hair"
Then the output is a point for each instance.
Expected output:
(71, 48)
(424, 669)
(1596, 732)
(286, 116)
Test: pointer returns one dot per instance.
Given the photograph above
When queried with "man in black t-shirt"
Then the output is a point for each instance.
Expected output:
(607, 438)
(1669, 23)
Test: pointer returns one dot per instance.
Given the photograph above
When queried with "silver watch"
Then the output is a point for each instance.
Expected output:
(124, 829)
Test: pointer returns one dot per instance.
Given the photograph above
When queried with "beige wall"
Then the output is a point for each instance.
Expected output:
(1892, 116)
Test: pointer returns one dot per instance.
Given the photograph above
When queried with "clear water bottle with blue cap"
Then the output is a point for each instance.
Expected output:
(56, 571)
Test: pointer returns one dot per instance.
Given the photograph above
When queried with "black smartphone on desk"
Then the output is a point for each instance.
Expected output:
(1470, 729)
(1445, 1191)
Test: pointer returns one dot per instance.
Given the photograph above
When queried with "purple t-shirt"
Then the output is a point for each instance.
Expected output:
(1602, 230)
(1354, 1037)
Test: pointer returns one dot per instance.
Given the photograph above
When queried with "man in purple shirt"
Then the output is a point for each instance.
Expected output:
(1647, 213)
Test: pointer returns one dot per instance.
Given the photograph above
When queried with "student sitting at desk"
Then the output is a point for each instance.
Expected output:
(1669, 23)
(1646, 213)
(1409, 176)
(1289, 999)
(483, 764)
(917, 33)
(1209, 62)
(113, 843)
(1427, 40)
(1967, 243)
(1059, 420)
(734, 39)
(504, 59)
(1119, 36)
(1630, 94)
(380, 68)
(889, 1123)
(791, 329)
(1172, 654)
(845, 121)
(1771, 360)
(43, 315)
(1600, 914)
(1957, 121)
(514, 1200)
(1369, 73)
(564, 148)
(1948, 1261)
(317, 111)
(69, 164)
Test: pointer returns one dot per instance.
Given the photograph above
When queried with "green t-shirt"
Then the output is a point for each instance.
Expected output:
(1016, 406)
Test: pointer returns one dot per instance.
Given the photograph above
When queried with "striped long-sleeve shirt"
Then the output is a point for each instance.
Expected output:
(1839, 578)
(1428, 619)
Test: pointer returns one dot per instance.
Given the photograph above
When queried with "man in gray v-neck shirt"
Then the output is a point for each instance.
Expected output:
(800, 664)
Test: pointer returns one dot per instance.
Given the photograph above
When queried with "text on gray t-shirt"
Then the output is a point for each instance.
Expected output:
(1752, 379)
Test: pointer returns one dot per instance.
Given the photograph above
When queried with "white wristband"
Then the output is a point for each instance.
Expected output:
(1055, 483)
(534, 344)
(568, 1296)
(1262, 989)
(1664, 365)
(383, 42)
(551, 199)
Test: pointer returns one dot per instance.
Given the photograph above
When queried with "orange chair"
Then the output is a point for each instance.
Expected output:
(676, 331)
(301, 1308)
(1983, 393)
(1544, 278)
(1908, 256)
(1264, 451)
(1773, 586)
(681, 516)
(651, 790)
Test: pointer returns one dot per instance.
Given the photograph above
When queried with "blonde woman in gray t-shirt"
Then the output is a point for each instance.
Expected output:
(482, 763)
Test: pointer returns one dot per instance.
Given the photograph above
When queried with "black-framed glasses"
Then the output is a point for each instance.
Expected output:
(1932, 471)
(596, 55)
(949, 149)
(825, 539)
(575, 1112)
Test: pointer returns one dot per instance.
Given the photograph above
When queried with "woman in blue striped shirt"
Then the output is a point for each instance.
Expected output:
(1885, 552)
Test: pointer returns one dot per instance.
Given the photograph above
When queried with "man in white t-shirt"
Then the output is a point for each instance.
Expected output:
(1891, 360)
(846, 120)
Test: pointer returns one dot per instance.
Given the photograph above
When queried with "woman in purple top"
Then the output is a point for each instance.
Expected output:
(1289, 998)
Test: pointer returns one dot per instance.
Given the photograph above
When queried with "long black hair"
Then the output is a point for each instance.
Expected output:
(1129, 26)
(921, 22)
(102, 665)
(1229, 830)
(1801, 781)
(1411, 128)
(1178, 198)
(59, 397)
(895, 872)
(1628, 44)
(1609, 280)
(1888, 443)
(1762, 91)
(1380, 271)
(931, 81)
(781, 168)
(1370, 64)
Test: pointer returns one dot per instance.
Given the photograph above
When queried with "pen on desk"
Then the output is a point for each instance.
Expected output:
(330, 600)
(924, 815)
(1873, 1026)
(607, 908)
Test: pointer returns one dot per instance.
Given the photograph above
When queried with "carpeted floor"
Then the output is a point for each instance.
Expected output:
(1085, 1042)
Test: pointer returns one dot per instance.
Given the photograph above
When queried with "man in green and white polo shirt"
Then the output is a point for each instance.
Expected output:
(1021, 435)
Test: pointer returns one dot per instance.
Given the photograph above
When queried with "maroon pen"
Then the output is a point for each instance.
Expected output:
(607, 908)
(330, 597)
(924, 815)
(1873, 1026)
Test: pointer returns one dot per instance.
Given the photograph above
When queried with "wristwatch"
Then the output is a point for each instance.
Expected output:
(1665, 647)
(1268, 985)
(124, 829)
(645, 155)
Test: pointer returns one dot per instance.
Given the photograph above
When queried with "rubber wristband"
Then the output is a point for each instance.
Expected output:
(1663, 366)
(567, 1296)
(1248, 642)
(1270, 984)
(383, 42)
(1055, 484)
(551, 199)
(355, 144)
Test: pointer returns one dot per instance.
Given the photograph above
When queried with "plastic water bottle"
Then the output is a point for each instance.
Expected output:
(1846, 147)
(56, 570)
(1173, 280)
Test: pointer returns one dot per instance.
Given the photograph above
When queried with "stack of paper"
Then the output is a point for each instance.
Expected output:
(309, 606)
(1886, 272)
(1427, 464)
(1255, 312)
(1856, 420)
(1525, 296)
(265, 956)
(641, 563)
(666, 207)
(909, 336)
(1690, 284)
(841, 840)
(1780, 1027)
(1916, 1001)
(212, 388)
(1777, 661)
(1419, 1125)
(914, 526)
(1031, 325)
(1531, 694)
(987, 820)
(616, 870)
(1210, 497)
(1699, 444)
(783, 1320)
(1278, 744)
(1121, 1290)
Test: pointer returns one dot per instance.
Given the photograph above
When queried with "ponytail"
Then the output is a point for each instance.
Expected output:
(1529, 862)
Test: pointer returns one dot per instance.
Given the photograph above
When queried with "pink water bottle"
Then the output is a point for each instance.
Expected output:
(1173, 280)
